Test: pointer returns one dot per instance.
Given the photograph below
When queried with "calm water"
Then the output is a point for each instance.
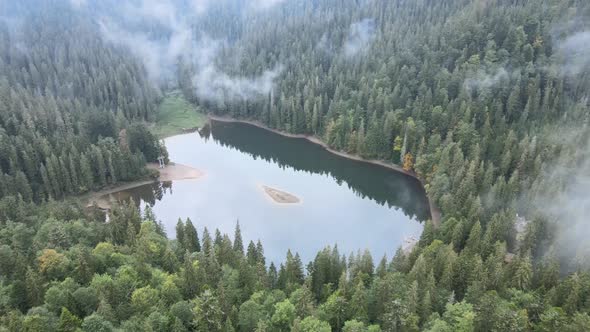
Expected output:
(349, 203)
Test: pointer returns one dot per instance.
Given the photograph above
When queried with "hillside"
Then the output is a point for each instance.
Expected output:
(485, 100)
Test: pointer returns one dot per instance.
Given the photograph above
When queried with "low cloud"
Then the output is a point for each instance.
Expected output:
(78, 3)
(212, 84)
(160, 56)
(199, 6)
(153, 53)
(163, 12)
(360, 37)
(567, 200)
(575, 52)
(264, 4)
(483, 80)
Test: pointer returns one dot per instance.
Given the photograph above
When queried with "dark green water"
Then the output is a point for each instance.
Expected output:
(352, 204)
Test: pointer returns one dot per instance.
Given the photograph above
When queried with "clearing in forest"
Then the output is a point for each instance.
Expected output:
(176, 116)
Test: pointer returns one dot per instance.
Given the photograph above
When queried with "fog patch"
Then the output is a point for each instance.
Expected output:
(360, 37)
(152, 53)
(161, 11)
(199, 6)
(78, 3)
(484, 80)
(575, 52)
(213, 84)
(264, 4)
(161, 55)
(567, 201)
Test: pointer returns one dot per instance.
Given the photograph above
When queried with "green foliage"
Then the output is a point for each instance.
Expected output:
(141, 140)
(208, 315)
(251, 312)
(68, 322)
(175, 115)
(283, 316)
(72, 119)
(96, 323)
(312, 324)
(67, 101)
(457, 317)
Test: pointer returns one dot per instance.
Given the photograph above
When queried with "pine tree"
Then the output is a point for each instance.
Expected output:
(180, 238)
(191, 283)
(252, 254)
(260, 253)
(68, 322)
(208, 315)
(191, 237)
(238, 245)
(358, 304)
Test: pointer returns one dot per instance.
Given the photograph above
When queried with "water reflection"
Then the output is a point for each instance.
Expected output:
(386, 187)
(352, 204)
(148, 194)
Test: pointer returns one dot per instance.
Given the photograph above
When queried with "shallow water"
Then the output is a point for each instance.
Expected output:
(352, 204)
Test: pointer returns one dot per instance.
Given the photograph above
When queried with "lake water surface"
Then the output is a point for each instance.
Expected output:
(353, 204)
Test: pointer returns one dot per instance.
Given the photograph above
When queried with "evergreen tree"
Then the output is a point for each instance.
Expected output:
(238, 245)
(191, 237)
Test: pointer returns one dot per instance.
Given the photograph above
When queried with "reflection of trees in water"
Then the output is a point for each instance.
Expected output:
(205, 132)
(150, 193)
(380, 184)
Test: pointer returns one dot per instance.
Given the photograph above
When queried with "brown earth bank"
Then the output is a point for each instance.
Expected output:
(435, 214)
(104, 198)
(279, 196)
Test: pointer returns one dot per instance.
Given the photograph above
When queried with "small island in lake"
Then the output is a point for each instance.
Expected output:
(279, 196)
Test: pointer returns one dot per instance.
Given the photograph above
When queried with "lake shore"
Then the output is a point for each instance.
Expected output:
(172, 172)
(435, 213)
(176, 172)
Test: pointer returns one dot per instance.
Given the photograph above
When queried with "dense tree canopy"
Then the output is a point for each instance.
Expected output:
(473, 96)
(66, 99)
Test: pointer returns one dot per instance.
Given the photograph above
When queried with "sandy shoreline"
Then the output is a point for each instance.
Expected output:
(172, 172)
(278, 196)
(435, 214)
(176, 172)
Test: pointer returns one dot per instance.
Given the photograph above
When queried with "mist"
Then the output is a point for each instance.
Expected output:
(156, 55)
(199, 6)
(360, 37)
(564, 198)
(212, 84)
(575, 51)
(161, 54)
(264, 4)
(483, 80)
(78, 3)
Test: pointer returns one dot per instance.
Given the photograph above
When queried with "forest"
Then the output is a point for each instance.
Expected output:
(486, 101)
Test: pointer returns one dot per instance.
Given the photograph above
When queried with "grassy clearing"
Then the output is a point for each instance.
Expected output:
(175, 114)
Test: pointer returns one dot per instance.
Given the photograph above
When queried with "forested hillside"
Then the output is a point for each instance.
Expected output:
(471, 95)
(486, 101)
(65, 96)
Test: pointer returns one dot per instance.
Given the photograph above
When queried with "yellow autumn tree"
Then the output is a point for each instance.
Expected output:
(408, 162)
(52, 264)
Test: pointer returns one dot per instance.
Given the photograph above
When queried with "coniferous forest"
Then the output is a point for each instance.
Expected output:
(486, 101)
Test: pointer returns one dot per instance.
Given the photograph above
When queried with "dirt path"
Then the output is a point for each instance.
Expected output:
(435, 214)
